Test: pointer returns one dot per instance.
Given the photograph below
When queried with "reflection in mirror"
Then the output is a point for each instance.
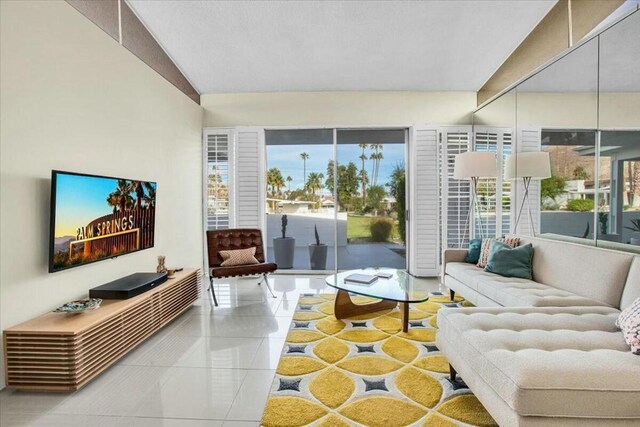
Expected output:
(557, 114)
(619, 188)
(493, 128)
(619, 214)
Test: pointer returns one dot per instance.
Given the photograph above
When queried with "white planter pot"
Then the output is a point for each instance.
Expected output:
(283, 250)
(318, 256)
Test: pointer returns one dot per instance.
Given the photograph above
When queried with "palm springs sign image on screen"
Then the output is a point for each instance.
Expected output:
(96, 217)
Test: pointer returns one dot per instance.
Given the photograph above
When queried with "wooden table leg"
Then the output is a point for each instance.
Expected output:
(345, 307)
(404, 307)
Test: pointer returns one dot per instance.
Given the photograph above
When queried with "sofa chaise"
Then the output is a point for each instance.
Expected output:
(546, 352)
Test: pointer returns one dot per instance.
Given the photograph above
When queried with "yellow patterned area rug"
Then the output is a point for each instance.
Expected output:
(364, 371)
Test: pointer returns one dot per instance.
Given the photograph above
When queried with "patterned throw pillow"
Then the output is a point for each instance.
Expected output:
(486, 247)
(239, 257)
(629, 322)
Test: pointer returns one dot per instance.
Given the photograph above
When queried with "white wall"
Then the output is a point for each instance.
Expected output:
(338, 108)
(73, 99)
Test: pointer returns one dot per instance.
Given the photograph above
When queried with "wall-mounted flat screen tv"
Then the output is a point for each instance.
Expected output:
(97, 217)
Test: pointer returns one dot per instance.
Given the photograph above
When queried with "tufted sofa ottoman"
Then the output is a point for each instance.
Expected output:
(544, 366)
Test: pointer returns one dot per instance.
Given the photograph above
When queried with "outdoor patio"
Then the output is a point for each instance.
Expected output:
(352, 256)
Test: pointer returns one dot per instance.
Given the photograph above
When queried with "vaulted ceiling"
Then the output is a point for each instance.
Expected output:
(251, 46)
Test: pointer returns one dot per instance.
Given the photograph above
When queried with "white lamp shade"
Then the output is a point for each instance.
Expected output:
(475, 164)
(534, 165)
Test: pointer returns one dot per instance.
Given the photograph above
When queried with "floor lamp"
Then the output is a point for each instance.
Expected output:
(527, 166)
(474, 165)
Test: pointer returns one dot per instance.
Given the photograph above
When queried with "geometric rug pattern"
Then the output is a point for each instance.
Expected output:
(364, 371)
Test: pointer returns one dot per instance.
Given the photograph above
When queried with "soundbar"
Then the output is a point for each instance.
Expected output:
(129, 286)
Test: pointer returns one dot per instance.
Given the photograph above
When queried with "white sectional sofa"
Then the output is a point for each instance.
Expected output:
(546, 352)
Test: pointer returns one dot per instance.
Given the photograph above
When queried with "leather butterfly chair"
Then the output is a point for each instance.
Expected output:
(231, 239)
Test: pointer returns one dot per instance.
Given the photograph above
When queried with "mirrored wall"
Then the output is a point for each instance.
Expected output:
(582, 111)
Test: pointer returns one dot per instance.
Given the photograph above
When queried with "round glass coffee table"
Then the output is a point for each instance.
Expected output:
(401, 288)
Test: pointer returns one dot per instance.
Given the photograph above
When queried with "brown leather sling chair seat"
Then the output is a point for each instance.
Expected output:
(231, 239)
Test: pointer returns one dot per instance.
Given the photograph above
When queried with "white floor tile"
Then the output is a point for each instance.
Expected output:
(18, 402)
(222, 352)
(169, 351)
(252, 396)
(234, 326)
(174, 422)
(241, 424)
(53, 420)
(116, 392)
(265, 307)
(268, 354)
(195, 393)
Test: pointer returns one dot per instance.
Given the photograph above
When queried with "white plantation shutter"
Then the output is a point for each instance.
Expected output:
(424, 201)
(249, 177)
(507, 187)
(218, 178)
(494, 194)
(456, 194)
(530, 141)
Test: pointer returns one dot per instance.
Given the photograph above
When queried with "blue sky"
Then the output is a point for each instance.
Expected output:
(287, 159)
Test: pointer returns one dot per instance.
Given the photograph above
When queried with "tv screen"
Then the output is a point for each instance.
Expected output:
(97, 217)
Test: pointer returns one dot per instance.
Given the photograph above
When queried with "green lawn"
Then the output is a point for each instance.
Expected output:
(358, 228)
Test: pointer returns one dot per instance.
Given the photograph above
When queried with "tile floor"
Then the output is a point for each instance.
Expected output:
(206, 368)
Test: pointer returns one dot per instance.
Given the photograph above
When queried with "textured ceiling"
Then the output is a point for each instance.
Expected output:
(247, 46)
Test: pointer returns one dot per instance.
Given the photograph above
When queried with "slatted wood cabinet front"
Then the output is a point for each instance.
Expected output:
(62, 352)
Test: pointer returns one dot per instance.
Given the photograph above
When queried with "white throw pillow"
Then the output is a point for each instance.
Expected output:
(629, 322)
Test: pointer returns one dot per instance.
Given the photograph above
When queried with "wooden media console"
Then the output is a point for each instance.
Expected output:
(63, 352)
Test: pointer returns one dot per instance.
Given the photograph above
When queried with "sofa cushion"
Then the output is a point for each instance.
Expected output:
(510, 262)
(551, 361)
(473, 254)
(513, 291)
(594, 273)
(469, 274)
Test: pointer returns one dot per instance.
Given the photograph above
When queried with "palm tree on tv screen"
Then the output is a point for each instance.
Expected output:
(121, 196)
(150, 197)
(114, 201)
(139, 190)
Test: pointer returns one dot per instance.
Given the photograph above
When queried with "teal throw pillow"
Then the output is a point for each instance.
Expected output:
(509, 262)
(473, 254)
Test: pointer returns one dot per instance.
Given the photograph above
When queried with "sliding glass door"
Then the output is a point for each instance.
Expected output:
(300, 207)
(335, 198)
(371, 198)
